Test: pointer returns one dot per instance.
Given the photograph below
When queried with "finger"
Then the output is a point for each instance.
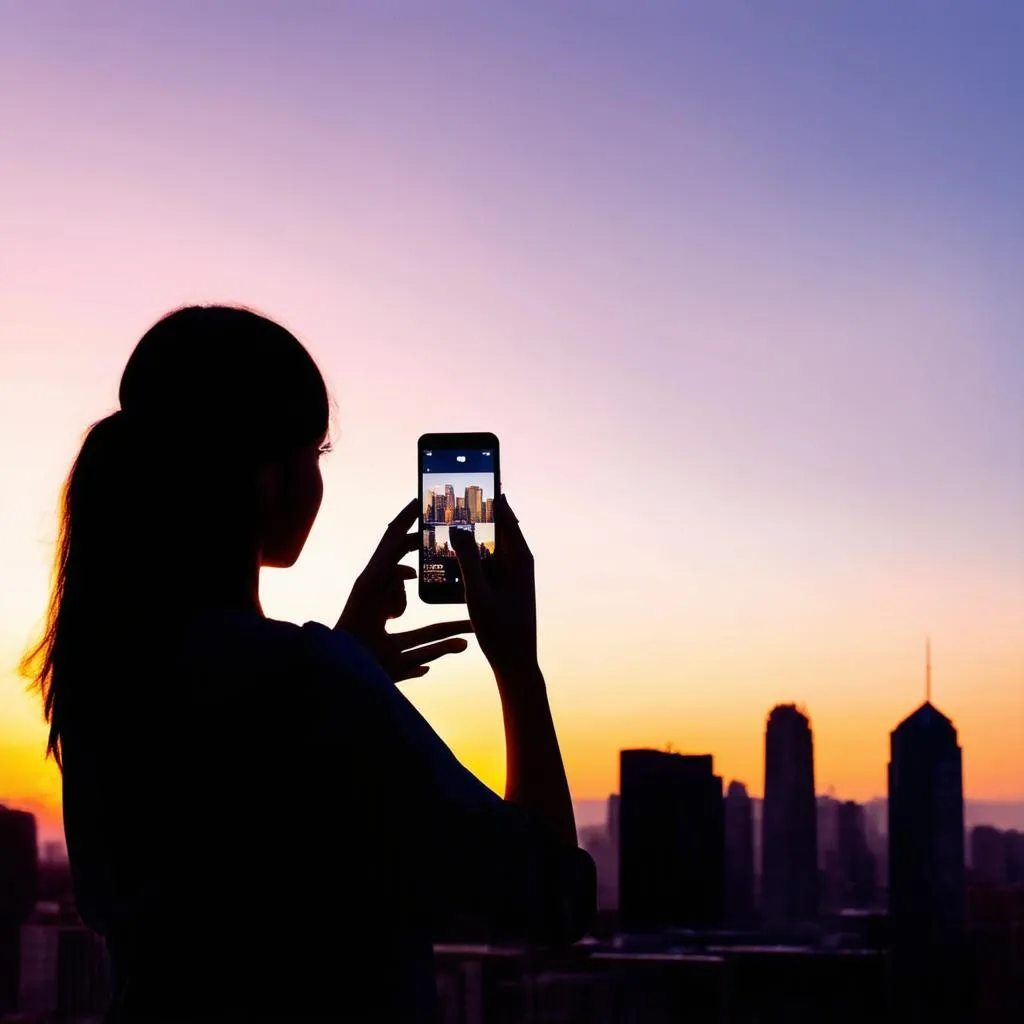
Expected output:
(509, 535)
(396, 601)
(429, 634)
(406, 572)
(424, 654)
(410, 672)
(468, 555)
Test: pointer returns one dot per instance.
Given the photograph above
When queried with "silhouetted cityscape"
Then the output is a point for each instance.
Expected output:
(443, 507)
(715, 906)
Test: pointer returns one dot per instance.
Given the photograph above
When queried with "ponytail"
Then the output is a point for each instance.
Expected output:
(136, 505)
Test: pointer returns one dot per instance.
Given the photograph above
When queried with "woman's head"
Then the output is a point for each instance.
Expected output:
(237, 406)
(207, 471)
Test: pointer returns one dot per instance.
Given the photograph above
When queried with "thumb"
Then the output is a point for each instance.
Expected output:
(469, 560)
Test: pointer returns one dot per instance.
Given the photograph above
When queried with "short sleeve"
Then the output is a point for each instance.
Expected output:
(473, 852)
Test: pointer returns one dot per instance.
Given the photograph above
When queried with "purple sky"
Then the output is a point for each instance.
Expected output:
(741, 280)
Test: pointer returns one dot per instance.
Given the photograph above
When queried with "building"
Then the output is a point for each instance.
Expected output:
(789, 828)
(19, 882)
(926, 826)
(739, 856)
(990, 856)
(475, 503)
(671, 841)
(613, 818)
(437, 513)
(1015, 857)
(858, 882)
(926, 866)
(65, 968)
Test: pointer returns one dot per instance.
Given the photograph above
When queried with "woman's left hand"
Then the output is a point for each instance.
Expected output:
(378, 596)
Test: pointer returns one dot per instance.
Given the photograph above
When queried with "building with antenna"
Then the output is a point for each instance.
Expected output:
(926, 853)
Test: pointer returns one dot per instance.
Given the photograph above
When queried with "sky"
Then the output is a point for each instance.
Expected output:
(738, 282)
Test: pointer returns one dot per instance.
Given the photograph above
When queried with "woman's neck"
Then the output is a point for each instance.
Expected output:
(239, 590)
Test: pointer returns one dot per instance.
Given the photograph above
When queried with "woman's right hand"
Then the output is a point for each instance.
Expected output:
(501, 596)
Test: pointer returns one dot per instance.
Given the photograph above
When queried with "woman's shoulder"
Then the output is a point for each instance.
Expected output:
(226, 640)
(234, 644)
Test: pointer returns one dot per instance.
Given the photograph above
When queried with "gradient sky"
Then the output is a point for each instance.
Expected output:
(739, 283)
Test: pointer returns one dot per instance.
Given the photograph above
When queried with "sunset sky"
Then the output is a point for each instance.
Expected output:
(738, 285)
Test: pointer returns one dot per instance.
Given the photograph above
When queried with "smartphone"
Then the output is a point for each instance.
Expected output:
(459, 482)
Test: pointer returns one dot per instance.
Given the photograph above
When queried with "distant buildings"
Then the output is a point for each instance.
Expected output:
(789, 836)
(739, 857)
(858, 882)
(65, 971)
(671, 841)
(990, 861)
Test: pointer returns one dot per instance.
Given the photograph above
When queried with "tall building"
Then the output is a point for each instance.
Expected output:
(739, 856)
(789, 826)
(475, 503)
(926, 859)
(19, 879)
(671, 841)
(449, 501)
(489, 510)
(437, 512)
(856, 862)
(926, 825)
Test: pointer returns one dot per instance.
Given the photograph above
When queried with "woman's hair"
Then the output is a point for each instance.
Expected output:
(158, 513)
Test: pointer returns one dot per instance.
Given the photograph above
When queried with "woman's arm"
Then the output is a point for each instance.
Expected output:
(534, 772)
(502, 605)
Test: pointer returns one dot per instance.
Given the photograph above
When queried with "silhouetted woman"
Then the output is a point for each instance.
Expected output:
(259, 822)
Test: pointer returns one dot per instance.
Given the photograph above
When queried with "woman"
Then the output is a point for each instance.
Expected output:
(259, 822)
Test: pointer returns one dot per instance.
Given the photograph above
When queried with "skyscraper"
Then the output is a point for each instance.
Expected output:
(739, 856)
(437, 512)
(475, 503)
(671, 841)
(926, 824)
(789, 828)
(926, 856)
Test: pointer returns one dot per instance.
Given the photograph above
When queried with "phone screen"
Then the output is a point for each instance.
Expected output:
(458, 488)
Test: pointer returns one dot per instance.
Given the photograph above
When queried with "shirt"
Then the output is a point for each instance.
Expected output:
(271, 830)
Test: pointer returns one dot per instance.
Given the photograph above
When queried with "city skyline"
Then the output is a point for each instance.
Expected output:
(459, 482)
(449, 502)
(747, 273)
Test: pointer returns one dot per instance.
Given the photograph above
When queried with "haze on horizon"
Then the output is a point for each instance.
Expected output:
(737, 287)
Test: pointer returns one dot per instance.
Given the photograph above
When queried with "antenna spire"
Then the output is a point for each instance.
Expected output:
(928, 670)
